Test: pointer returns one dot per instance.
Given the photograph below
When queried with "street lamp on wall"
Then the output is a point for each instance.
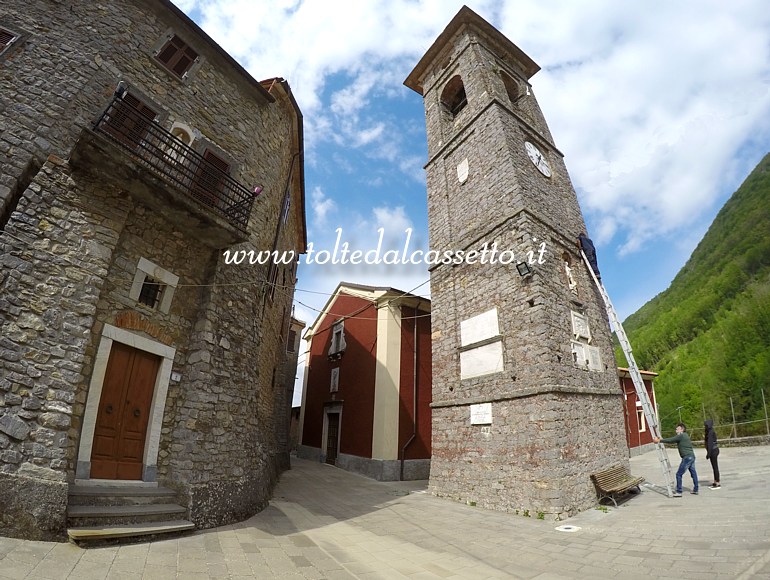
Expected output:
(524, 269)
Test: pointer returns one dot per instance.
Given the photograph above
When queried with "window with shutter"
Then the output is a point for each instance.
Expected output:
(129, 120)
(177, 56)
(210, 177)
(338, 345)
(272, 280)
(290, 346)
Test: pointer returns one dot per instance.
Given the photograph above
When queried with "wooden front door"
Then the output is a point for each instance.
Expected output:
(332, 433)
(124, 411)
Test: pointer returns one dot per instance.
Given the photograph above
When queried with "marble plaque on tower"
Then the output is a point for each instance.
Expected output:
(487, 358)
(594, 358)
(478, 328)
(580, 327)
(484, 360)
(481, 414)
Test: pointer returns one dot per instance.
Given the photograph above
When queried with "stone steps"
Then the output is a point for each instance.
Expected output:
(86, 515)
(106, 511)
(107, 495)
(96, 533)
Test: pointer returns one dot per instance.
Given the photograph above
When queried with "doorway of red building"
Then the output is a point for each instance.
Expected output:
(332, 436)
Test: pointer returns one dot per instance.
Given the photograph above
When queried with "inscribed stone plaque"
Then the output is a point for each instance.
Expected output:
(580, 327)
(483, 360)
(481, 414)
(479, 328)
(335, 383)
(579, 356)
(594, 358)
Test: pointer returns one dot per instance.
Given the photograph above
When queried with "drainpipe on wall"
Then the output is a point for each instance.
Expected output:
(414, 393)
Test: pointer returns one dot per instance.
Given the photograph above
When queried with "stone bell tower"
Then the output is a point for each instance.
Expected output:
(526, 397)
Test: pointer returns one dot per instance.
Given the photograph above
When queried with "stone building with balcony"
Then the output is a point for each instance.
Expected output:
(135, 152)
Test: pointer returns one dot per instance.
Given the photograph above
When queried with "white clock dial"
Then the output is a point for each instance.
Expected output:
(538, 159)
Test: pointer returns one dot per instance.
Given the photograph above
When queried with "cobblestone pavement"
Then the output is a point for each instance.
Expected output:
(327, 523)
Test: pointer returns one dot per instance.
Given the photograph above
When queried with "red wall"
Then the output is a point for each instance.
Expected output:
(420, 446)
(633, 436)
(356, 381)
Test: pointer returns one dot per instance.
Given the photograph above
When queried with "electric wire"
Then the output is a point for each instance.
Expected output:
(262, 283)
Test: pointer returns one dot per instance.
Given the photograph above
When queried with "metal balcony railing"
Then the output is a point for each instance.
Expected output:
(175, 162)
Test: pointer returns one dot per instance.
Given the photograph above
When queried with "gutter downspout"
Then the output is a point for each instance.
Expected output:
(414, 394)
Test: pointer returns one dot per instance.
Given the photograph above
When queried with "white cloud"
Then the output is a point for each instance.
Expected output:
(391, 218)
(322, 206)
(649, 103)
(361, 233)
(374, 43)
(354, 97)
(660, 108)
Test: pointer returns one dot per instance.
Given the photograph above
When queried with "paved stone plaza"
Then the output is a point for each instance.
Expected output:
(327, 523)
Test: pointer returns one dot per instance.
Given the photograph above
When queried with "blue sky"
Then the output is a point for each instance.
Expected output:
(660, 108)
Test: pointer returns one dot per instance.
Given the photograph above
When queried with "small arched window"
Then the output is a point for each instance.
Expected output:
(511, 87)
(182, 132)
(453, 96)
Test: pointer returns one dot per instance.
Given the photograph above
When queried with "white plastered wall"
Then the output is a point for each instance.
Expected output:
(387, 383)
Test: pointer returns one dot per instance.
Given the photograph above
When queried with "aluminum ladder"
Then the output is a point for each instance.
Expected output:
(636, 378)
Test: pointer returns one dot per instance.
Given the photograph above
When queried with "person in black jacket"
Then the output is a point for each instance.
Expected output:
(585, 244)
(712, 450)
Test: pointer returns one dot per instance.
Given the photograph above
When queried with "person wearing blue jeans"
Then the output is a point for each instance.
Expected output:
(684, 445)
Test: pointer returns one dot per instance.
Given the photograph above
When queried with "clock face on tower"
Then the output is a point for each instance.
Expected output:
(538, 159)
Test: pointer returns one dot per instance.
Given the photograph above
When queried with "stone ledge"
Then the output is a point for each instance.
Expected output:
(523, 393)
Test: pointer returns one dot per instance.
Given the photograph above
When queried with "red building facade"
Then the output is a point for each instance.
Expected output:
(367, 389)
(638, 432)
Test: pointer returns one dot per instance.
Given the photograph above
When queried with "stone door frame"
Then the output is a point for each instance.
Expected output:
(330, 408)
(112, 334)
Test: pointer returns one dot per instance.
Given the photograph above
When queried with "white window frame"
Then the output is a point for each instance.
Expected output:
(285, 208)
(641, 420)
(146, 269)
(338, 345)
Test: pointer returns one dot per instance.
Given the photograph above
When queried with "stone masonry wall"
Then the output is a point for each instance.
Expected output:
(554, 422)
(53, 267)
(71, 244)
(534, 316)
(490, 132)
(62, 73)
(533, 459)
(285, 376)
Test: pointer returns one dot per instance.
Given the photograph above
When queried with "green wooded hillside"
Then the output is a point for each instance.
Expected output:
(708, 334)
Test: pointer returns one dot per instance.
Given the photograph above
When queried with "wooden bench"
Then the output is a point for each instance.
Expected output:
(613, 481)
